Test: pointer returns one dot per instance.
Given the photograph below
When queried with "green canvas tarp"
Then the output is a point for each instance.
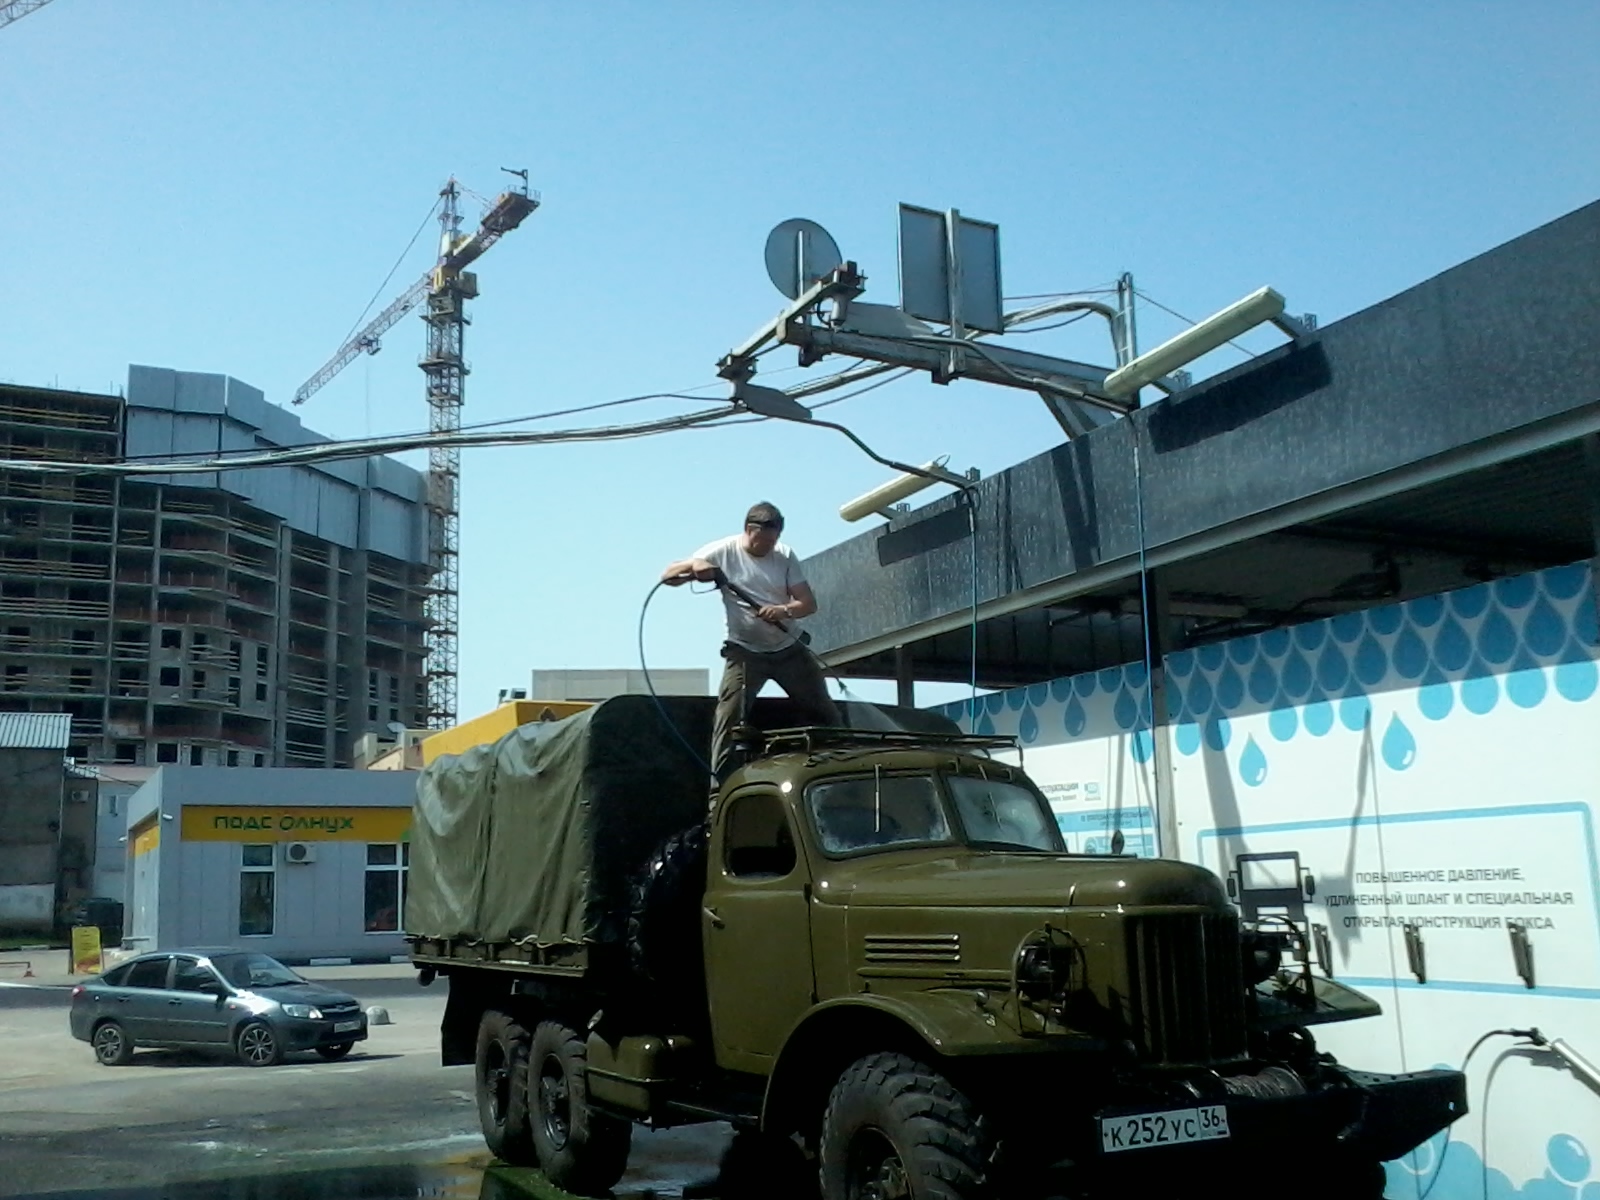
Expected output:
(538, 837)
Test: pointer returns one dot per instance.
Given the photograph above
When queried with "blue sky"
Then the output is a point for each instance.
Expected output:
(221, 186)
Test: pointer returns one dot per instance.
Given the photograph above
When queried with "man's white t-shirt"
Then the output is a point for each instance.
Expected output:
(767, 578)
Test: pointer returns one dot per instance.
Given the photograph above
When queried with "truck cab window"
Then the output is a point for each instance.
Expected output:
(756, 838)
(996, 813)
(874, 811)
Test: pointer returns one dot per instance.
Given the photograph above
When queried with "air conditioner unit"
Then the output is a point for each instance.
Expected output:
(299, 852)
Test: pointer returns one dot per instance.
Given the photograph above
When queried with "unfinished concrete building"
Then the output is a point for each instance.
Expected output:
(267, 617)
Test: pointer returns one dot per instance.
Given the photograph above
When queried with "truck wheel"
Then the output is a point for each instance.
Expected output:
(896, 1130)
(501, 1072)
(664, 919)
(580, 1150)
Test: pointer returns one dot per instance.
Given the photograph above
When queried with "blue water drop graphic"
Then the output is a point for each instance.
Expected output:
(1497, 640)
(1399, 747)
(1469, 602)
(1526, 686)
(1211, 656)
(1296, 675)
(1310, 635)
(1347, 627)
(1028, 727)
(1073, 719)
(1371, 663)
(1200, 696)
(1568, 1158)
(1516, 591)
(1452, 648)
(1436, 697)
(1425, 611)
(1544, 631)
(1386, 620)
(1354, 711)
(1038, 694)
(1109, 680)
(1252, 763)
(1218, 732)
(1084, 684)
(1242, 650)
(1576, 677)
(1566, 582)
(1180, 663)
(1585, 625)
(1061, 688)
(1016, 698)
(1134, 675)
(1142, 746)
(1263, 682)
(1230, 689)
(1284, 723)
(1318, 715)
(1186, 737)
(1410, 655)
(1333, 671)
(995, 702)
(1480, 690)
(1275, 642)
(1125, 711)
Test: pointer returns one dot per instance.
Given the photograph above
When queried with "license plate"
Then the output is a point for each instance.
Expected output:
(1175, 1127)
(347, 1026)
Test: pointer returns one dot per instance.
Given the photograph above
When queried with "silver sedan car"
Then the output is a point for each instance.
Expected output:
(235, 1001)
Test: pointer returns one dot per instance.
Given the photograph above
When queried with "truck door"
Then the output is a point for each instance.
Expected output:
(756, 930)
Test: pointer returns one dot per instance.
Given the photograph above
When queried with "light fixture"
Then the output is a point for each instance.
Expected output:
(880, 499)
(1216, 330)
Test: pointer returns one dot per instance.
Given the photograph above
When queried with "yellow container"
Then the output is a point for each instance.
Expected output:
(493, 726)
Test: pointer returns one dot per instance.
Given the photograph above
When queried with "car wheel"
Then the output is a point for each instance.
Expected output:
(896, 1130)
(258, 1046)
(580, 1150)
(112, 1046)
(500, 1068)
(333, 1052)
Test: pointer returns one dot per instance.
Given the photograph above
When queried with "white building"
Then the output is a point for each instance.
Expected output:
(299, 864)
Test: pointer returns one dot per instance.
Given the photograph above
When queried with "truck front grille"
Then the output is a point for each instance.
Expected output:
(893, 949)
(1187, 1002)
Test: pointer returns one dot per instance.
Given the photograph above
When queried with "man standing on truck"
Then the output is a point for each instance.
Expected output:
(762, 641)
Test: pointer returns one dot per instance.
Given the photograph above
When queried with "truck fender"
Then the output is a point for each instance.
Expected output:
(838, 1032)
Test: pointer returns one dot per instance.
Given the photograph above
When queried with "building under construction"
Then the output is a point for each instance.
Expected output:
(264, 617)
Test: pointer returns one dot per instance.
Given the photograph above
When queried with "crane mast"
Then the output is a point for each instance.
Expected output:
(15, 10)
(445, 289)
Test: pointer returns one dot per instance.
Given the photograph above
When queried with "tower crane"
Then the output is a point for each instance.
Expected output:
(446, 288)
(15, 10)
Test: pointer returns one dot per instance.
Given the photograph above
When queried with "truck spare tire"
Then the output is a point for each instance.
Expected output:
(664, 919)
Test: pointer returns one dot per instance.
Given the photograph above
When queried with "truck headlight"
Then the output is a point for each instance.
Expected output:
(302, 1012)
(1263, 955)
(1045, 967)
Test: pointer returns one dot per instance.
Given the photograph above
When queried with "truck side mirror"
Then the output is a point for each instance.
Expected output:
(1310, 886)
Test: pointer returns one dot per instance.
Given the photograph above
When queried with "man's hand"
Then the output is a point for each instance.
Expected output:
(680, 573)
(776, 613)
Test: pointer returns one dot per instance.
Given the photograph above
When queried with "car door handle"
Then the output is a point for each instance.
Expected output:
(174, 1001)
(715, 918)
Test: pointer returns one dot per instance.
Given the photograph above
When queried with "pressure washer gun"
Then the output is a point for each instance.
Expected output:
(723, 583)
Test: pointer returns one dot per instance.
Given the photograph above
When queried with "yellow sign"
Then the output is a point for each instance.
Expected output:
(261, 823)
(146, 838)
(86, 959)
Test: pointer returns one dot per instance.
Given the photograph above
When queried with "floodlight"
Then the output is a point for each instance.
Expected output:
(882, 496)
(1215, 330)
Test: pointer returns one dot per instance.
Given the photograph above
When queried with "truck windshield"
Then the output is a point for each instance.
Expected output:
(1002, 815)
(873, 811)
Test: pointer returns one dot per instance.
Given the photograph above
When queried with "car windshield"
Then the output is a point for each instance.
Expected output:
(995, 813)
(876, 811)
(254, 971)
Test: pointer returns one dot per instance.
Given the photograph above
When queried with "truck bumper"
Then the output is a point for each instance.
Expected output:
(1357, 1116)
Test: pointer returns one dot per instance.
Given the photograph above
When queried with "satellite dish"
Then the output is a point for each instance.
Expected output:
(800, 252)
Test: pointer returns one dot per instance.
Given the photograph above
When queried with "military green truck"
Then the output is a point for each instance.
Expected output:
(871, 945)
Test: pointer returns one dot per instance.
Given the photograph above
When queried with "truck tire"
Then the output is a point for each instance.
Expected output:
(580, 1150)
(895, 1129)
(664, 920)
(500, 1072)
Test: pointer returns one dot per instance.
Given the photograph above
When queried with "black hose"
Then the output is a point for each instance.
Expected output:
(651, 687)
(1533, 1037)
